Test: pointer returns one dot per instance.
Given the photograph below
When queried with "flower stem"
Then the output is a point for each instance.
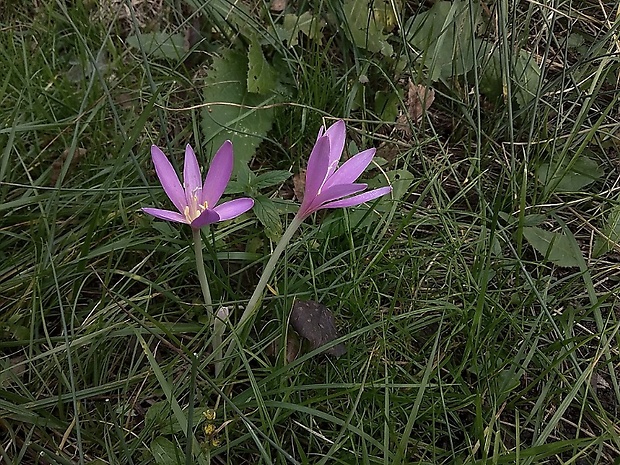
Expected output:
(202, 275)
(253, 306)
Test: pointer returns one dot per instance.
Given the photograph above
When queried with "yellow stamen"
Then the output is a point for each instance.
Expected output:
(194, 209)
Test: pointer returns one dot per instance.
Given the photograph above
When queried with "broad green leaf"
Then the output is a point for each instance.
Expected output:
(491, 76)
(445, 36)
(268, 214)
(157, 415)
(575, 40)
(230, 111)
(611, 232)
(262, 79)
(573, 178)
(400, 180)
(534, 219)
(244, 182)
(555, 247)
(235, 187)
(159, 44)
(165, 452)
(229, 16)
(509, 219)
(526, 77)
(386, 13)
(387, 105)
(271, 178)
(246, 175)
(292, 25)
(363, 29)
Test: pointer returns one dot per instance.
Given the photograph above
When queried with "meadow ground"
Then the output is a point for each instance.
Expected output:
(477, 303)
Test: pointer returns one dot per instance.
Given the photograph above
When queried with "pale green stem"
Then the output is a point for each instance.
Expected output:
(202, 275)
(253, 304)
(219, 324)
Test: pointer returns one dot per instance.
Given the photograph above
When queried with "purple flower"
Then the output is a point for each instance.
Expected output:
(195, 201)
(328, 186)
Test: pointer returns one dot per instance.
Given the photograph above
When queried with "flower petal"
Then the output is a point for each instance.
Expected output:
(336, 133)
(205, 218)
(165, 215)
(351, 169)
(334, 193)
(219, 174)
(234, 208)
(358, 199)
(317, 169)
(337, 192)
(192, 181)
(168, 178)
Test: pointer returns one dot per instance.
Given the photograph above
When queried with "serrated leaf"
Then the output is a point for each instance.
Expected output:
(159, 44)
(583, 171)
(445, 36)
(268, 214)
(271, 178)
(363, 29)
(262, 79)
(555, 247)
(246, 175)
(611, 231)
(244, 182)
(233, 116)
(235, 187)
(165, 452)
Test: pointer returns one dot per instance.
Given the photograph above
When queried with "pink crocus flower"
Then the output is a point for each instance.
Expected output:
(330, 186)
(197, 202)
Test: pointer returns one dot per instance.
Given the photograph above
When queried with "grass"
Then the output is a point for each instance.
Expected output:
(466, 341)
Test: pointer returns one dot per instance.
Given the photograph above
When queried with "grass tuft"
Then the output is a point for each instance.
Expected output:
(468, 341)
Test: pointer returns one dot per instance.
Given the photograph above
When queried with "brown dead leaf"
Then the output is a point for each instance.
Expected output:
(14, 370)
(315, 322)
(293, 347)
(299, 185)
(192, 34)
(598, 382)
(419, 99)
(277, 5)
(60, 162)
(124, 100)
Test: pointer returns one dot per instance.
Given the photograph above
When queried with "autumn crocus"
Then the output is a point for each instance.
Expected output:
(330, 186)
(196, 201)
(327, 186)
